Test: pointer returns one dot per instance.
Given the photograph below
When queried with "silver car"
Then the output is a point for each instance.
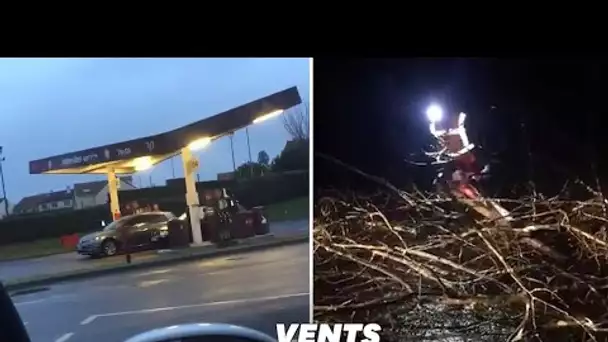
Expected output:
(136, 232)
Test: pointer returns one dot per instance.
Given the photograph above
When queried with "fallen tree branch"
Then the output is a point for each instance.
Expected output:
(423, 266)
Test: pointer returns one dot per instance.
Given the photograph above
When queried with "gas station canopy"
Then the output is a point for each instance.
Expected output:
(139, 154)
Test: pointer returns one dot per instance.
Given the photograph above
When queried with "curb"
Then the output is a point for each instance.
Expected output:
(83, 274)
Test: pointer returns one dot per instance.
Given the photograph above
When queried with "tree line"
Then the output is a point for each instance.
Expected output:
(295, 154)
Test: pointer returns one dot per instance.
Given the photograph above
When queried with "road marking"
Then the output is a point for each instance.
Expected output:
(213, 263)
(163, 271)
(64, 337)
(148, 283)
(57, 297)
(30, 302)
(90, 319)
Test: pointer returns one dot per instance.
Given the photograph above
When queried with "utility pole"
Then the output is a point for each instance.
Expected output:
(3, 185)
(249, 149)
(248, 144)
(172, 168)
(232, 150)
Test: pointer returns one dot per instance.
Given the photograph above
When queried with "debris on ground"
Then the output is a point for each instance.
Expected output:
(431, 269)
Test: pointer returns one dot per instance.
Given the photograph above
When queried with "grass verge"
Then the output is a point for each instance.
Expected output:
(38, 248)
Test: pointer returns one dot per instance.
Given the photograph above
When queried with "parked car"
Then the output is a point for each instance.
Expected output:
(248, 223)
(135, 232)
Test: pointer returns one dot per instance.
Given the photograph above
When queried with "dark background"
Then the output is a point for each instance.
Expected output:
(539, 119)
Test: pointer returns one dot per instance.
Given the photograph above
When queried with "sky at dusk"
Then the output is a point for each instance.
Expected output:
(54, 106)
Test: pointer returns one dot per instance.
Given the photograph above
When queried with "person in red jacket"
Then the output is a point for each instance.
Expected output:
(458, 150)
(454, 145)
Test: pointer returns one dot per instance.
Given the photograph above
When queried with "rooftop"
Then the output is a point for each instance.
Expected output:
(35, 200)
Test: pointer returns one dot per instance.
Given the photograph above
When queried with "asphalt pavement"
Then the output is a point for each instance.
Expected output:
(59, 263)
(256, 290)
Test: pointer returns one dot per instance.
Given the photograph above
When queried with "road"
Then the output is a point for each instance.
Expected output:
(59, 263)
(256, 289)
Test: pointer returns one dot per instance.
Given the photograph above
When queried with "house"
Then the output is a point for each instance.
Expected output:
(96, 193)
(83, 195)
(54, 200)
(3, 208)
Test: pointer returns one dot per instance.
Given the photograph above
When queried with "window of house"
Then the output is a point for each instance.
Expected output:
(54, 205)
(43, 206)
(67, 203)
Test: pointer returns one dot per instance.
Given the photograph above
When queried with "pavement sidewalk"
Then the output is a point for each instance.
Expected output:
(154, 258)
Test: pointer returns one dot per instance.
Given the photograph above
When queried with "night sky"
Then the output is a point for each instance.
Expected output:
(539, 119)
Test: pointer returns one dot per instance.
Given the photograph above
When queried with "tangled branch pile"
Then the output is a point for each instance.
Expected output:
(430, 269)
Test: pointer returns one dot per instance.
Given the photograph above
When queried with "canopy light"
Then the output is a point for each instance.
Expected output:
(142, 163)
(268, 116)
(199, 144)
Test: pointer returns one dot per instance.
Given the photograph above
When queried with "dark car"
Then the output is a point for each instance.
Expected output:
(135, 232)
(246, 223)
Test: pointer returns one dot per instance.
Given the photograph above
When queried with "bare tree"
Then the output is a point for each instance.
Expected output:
(297, 122)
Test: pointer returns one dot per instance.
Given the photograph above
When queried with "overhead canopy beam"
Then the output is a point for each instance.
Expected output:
(124, 157)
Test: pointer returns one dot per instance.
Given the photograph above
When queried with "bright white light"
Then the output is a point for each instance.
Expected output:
(199, 144)
(142, 163)
(434, 113)
(267, 116)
